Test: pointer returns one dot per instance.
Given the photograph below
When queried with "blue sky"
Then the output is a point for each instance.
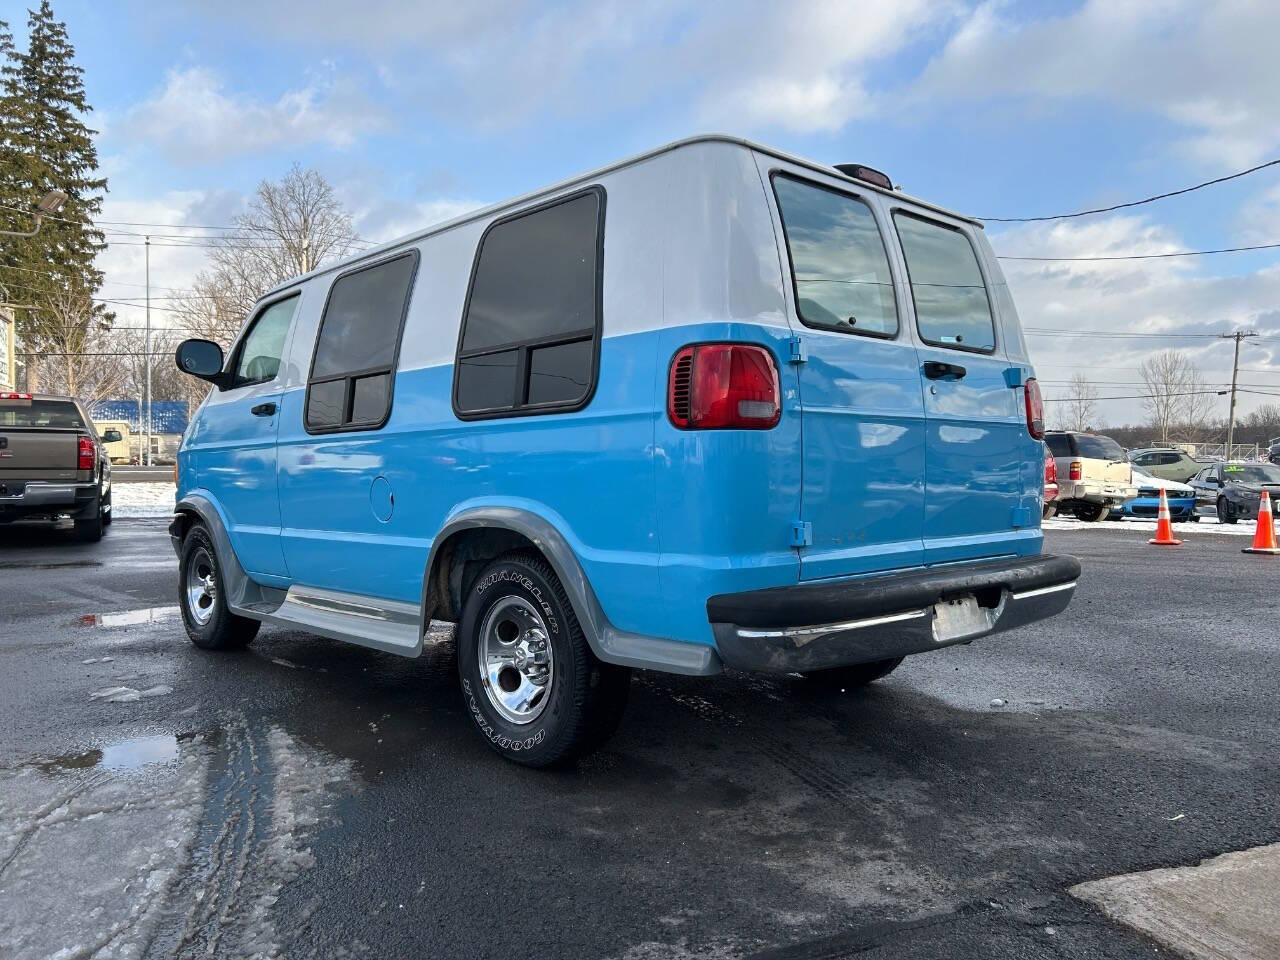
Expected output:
(416, 110)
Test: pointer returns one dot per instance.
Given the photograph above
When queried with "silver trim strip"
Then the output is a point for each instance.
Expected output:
(833, 627)
(1041, 591)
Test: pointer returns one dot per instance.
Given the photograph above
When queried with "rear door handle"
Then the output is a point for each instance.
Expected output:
(937, 370)
(264, 410)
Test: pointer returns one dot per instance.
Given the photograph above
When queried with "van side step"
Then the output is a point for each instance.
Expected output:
(387, 625)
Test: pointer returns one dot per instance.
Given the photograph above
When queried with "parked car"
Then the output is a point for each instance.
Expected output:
(1273, 452)
(1094, 475)
(1181, 498)
(1167, 463)
(570, 424)
(52, 464)
(1235, 488)
(1050, 485)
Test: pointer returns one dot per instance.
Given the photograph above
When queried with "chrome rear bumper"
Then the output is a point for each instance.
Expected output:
(822, 625)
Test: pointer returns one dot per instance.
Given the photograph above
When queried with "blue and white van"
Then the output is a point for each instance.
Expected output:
(713, 406)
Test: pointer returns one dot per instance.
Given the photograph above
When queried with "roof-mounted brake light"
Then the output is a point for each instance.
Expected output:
(865, 174)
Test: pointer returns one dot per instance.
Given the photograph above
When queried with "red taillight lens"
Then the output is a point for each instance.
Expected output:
(716, 386)
(1074, 473)
(85, 457)
(1050, 470)
(1035, 408)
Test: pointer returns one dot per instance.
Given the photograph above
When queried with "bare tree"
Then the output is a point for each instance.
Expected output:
(76, 357)
(1166, 376)
(1078, 409)
(293, 225)
(1198, 406)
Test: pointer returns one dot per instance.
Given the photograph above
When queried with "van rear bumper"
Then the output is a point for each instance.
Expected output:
(816, 626)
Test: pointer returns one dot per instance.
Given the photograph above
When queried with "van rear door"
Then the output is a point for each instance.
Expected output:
(863, 426)
(977, 445)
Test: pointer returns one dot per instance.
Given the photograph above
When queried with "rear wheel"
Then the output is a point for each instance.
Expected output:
(530, 682)
(851, 678)
(1225, 512)
(1050, 510)
(210, 623)
(1092, 512)
(89, 529)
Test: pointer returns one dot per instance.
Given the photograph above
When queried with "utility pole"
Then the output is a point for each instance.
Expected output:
(147, 357)
(1235, 373)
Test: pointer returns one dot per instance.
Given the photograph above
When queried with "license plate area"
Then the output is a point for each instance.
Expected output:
(958, 617)
(12, 488)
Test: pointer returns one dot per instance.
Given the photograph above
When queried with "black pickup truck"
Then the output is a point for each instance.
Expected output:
(53, 464)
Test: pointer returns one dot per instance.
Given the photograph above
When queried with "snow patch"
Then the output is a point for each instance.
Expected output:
(145, 499)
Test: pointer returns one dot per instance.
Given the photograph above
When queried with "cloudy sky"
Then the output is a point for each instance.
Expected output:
(417, 110)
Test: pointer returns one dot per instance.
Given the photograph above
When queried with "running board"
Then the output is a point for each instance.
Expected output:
(387, 625)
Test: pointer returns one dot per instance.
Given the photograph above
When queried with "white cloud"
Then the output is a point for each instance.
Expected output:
(1207, 67)
(194, 117)
(1156, 297)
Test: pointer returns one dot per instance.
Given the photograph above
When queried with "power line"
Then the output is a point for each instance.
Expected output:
(1134, 203)
(1146, 256)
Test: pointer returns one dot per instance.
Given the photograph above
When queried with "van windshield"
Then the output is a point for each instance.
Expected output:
(56, 414)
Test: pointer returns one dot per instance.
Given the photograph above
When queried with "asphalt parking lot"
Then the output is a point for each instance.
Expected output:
(309, 798)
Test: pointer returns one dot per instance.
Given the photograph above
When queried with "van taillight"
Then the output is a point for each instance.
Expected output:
(1035, 408)
(714, 386)
(85, 458)
(1074, 473)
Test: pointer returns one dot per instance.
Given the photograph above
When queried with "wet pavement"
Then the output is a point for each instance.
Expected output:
(309, 798)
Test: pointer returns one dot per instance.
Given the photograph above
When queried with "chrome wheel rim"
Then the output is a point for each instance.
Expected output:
(517, 664)
(201, 586)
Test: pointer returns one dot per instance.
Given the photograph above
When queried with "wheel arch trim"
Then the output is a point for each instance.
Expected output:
(606, 641)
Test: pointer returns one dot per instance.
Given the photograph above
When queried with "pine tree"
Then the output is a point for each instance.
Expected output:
(45, 145)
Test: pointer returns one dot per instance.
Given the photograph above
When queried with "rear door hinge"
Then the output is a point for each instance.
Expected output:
(802, 533)
(796, 352)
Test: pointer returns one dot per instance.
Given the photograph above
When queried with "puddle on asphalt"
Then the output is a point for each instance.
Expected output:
(129, 618)
(123, 755)
(49, 565)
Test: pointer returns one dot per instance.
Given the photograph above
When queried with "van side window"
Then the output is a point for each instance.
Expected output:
(356, 349)
(531, 327)
(259, 353)
(838, 260)
(952, 308)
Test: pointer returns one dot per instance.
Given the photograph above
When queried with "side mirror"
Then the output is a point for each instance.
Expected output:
(112, 436)
(200, 358)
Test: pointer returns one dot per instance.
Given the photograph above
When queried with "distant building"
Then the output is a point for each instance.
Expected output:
(8, 376)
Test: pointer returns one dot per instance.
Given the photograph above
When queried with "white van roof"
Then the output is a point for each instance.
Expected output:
(497, 208)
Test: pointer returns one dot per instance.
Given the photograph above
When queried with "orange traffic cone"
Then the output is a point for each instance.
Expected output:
(1164, 529)
(1264, 537)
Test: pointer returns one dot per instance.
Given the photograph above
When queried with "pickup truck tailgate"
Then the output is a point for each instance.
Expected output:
(39, 455)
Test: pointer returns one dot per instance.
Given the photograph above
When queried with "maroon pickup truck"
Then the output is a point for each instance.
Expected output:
(52, 463)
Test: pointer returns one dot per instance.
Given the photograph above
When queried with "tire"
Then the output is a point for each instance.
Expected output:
(1092, 512)
(107, 513)
(854, 677)
(89, 529)
(560, 701)
(1050, 511)
(1225, 513)
(201, 597)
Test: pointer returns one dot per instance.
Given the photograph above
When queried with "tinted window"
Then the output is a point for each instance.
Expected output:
(1059, 444)
(1145, 459)
(530, 329)
(58, 414)
(1168, 458)
(838, 260)
(952, 309)
(1098, 448)
(259, 353)
(351, 374)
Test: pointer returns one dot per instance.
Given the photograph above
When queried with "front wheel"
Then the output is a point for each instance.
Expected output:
(851, 678)
(202, 597)
(530, 682)
(1225, 513)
